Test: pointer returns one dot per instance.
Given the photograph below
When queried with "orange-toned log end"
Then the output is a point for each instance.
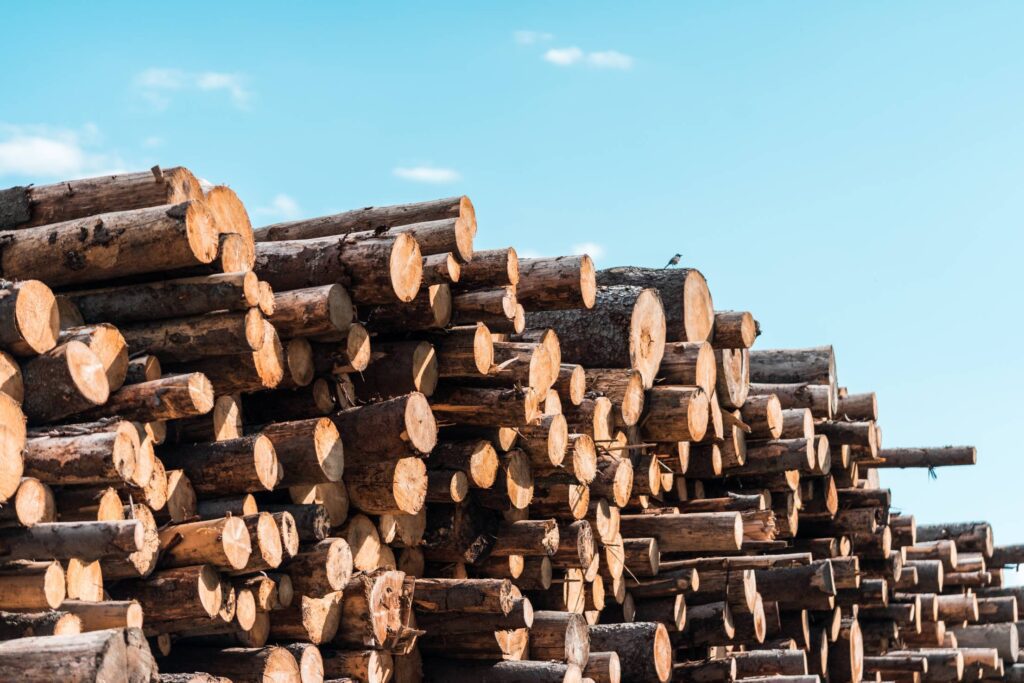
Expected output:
(201, 232)
(698, 310)
(229, 213)
(734, 330)
(10, 377)
(588, 281)
(268, 468)
(647, 335)
(36, 317)
(420, 426)
(406, 267)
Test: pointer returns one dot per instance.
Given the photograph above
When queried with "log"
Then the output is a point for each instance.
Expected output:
(464, 352)
(431, 309)
(229, 467)
(690, 314)
(96, 656)
(770, 663)
(925, 457)
(27, 625)
(815, 397)
(734, 330)
(404, 367)
(99, 457)
(625, 328)
(339, 358)
(644, 649)
(33, 503)
(624, 388)
(371, 666)
(441, 269)
(213, 334)
(968, 536)
(1002, 637)
(168, 398)
(247, 372)
(34, 205)
(559, 283)
(116, 244)
(858, 407)
(476, 457)
(265, 541)
(312, 619)
(65, 540)
(561, 636)
(11, 383)
(478, 596)
(313, 312)
(309, 451)
(65, 380)
(375, 218)
(272, 663)
(97, 616)
(182, 593)
(180, 298)
(403, 425)
(29, 318)
(372, 609)
(485, 406)
(490, 268)
(732, 377)
(143, 369)
(322, 568)
(398, 486)
(374, 271)
(502, 672)
(223, 543)
(689, 363)
(666, 405)
(699, 532)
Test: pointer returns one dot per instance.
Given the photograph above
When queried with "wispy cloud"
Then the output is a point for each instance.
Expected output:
(607, 59)
(157, 85)
(281, 206)
(531, 37)
(610, 59)
(44, 152)
(427, 174)
(563, 56)
(592, 249)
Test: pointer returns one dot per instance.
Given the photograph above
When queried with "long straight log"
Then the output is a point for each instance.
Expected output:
(179, 298)
(698, 532)
(234, 466)
(371, 218)
(113, 245)
(374, 271)
(562, 282)
(34, 205)
(168, 398)
(925, 457)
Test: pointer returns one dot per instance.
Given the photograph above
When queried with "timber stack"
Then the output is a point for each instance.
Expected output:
(353, 448)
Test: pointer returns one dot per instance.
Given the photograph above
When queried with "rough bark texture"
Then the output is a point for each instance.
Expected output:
(689, 312)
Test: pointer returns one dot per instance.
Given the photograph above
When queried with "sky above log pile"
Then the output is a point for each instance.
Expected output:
(850, 173)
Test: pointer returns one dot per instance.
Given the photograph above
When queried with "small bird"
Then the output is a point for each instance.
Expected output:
(674, 261)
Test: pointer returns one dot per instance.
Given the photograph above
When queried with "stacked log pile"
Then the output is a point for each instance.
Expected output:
(352, 448)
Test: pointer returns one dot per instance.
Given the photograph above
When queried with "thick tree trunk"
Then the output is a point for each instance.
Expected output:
(229, 467)
(699, 532)
(168, 398)
(644, 649)
(182, 593)
(431, 309)
(66, 380)
(391, 429)
(29, 317)
(624, 329)
(690, 315)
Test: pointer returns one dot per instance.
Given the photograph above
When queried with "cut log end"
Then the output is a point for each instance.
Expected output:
(201, 232)
(36, 317)
(406, 267)
(647, 335)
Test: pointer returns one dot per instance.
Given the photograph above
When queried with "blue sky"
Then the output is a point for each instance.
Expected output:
(850, 172)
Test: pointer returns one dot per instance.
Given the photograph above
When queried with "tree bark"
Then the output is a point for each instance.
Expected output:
(374, 271)
(559, 283)
(112, 245)
(690, 315)
(624, 329)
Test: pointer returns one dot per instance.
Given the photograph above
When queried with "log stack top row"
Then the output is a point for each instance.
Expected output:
(354, 448)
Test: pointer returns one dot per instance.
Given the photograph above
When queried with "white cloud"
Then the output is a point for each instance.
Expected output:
(592, 249)
(153, 141)
(610, 59)
(606, 59)
(157, 84)
(531, 37)
(281, 206)
(44, 152)
(427, 174)
(528, 253)
(563, 56)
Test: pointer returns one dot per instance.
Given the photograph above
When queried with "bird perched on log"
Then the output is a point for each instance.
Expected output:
(674, 261)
